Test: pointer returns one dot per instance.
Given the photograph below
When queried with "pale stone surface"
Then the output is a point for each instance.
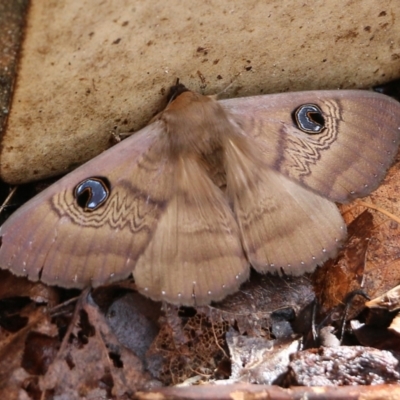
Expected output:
(92, 67)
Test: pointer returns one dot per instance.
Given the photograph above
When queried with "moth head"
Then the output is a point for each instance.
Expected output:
(176, 90)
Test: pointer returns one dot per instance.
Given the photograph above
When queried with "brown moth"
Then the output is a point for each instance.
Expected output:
(206, 190)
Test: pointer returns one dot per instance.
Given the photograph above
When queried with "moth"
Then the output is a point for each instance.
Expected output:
(207, 190)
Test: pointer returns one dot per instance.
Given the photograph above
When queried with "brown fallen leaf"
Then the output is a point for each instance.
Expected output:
(382, 262)
(13, 377)
(338, 277)
(12, 286)
(88, 361)
(92, 362)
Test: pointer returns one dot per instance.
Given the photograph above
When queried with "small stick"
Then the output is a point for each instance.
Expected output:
(11, 194)
(380, 209)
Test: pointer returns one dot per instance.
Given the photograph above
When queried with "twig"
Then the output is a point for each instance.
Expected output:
(380, 209)
(8, 198)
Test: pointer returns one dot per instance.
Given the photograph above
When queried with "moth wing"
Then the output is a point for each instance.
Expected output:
(348, 159)
(284, 226)
(196, 255)
(53, 239)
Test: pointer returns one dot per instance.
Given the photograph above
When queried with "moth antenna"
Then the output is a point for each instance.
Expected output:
(216, 96)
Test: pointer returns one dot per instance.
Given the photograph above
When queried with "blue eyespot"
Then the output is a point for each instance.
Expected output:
(91, 193)
(309, 119)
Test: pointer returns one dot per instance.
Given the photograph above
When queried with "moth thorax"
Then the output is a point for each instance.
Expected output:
(196, 129)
